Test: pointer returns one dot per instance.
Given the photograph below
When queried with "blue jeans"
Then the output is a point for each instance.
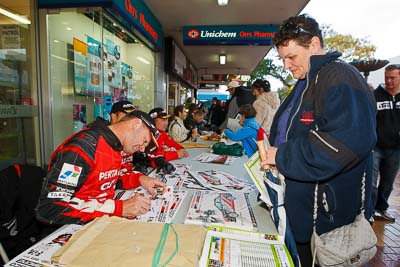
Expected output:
(387, 165)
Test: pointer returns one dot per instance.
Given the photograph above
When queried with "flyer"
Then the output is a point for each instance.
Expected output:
(40, 254)
(229, 209)
(222, 181)
(214, 158)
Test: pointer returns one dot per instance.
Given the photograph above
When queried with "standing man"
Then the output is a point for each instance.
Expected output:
(83, 171)
(387, 149)
(323, 133)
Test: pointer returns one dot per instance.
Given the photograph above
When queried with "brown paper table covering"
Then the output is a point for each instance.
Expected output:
(114, 241)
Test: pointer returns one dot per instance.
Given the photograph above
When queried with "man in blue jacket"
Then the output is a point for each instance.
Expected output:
(324, 133)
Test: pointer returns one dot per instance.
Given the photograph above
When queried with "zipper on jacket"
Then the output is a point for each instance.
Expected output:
(298, 107)
(324, 141)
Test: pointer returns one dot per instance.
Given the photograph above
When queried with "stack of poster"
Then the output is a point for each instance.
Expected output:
(230, 209)
(214, 158)
(176, 179)
(222, 181)
(163, 207)
(40, 254)
(234, 247)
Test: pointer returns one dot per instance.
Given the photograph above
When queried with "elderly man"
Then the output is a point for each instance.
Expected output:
(323, 132)
(84, 169)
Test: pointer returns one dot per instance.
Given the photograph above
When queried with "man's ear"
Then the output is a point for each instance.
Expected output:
(315, 46)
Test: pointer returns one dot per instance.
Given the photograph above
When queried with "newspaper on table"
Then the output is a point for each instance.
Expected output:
(229, 209)
(236, 247)
(222, 181)
(40, 253)
(163, 208)
(214, 158)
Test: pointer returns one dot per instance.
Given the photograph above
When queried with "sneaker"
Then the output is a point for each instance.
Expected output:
(385, 215)
(371, 220)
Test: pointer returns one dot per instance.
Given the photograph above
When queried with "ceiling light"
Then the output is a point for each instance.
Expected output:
(222, 59)
(14, 16)
(223, 2)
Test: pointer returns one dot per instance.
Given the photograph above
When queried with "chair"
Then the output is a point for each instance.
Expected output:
(20, 187)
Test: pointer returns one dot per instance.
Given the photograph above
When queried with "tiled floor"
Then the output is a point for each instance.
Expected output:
(388, 253)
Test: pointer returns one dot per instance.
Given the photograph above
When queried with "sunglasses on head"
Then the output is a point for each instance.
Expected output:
(295, 28)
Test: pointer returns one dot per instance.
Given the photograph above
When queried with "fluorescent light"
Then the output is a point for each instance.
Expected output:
(222, 2)
(222, 59)
(14, 16)
(145, 61)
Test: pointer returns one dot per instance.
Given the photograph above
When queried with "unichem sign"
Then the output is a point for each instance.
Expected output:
(229, 35)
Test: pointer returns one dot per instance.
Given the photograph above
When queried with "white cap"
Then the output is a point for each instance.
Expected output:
(233, 84)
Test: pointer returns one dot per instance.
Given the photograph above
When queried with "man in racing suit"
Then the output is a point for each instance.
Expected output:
(83, 171)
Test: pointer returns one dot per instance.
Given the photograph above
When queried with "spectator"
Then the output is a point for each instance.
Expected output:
(177, 129)
(323, 132)
(266, 104)
(240, 96)
(215, 114)
(387, 149)
(84, 169)
(248, 133)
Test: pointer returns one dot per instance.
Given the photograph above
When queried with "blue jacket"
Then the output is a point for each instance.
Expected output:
(329, 140)
(247, 135)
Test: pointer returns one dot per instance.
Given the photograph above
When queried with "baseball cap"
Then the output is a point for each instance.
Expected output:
(149, 122)
(233, 84)
(122, 106)
(159, 113)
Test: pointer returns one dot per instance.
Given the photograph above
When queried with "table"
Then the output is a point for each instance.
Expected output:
(237, 169)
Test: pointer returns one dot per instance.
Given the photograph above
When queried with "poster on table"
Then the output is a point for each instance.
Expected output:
(94, 66)
(80, 78)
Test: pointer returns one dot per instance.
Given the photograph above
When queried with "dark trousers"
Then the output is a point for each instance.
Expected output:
(305, 254)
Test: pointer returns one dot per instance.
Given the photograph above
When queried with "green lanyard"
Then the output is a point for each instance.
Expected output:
(161, 245)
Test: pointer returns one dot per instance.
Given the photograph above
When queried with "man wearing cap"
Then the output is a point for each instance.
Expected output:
(84, 169)
(167, 146)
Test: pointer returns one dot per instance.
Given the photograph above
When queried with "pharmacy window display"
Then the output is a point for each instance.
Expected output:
(94, 62)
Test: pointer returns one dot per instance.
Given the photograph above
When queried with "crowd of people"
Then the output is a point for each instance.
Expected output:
(330, 130)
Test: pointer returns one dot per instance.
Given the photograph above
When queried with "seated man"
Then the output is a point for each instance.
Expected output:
(83, 171)
(177, 129)
(248, 133)
(167, 147)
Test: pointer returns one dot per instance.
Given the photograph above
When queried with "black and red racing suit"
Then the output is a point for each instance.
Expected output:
(80, 184)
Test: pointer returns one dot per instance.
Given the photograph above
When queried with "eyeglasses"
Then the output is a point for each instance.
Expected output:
(295, 29)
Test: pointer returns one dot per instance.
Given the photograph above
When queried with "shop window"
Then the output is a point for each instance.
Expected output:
(18, 92)
(93, 63)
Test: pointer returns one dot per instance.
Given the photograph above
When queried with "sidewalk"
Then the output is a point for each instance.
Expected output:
(388, 253)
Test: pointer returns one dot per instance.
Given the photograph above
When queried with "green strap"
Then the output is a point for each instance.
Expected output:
(161, 245)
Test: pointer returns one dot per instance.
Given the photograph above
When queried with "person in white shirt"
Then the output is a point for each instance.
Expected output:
(177, 129)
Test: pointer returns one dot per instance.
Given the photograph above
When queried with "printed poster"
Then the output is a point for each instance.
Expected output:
(112, 70)
(80, 76)
(94, 66)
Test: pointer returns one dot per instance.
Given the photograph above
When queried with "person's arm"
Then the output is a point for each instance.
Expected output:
(345, 135)
(58, 203)
(240, 134)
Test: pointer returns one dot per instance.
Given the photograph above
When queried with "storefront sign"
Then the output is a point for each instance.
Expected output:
(17, 111)
(135, 12)
(229, 35)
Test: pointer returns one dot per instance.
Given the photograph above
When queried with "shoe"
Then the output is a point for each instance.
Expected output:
(385, 215)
